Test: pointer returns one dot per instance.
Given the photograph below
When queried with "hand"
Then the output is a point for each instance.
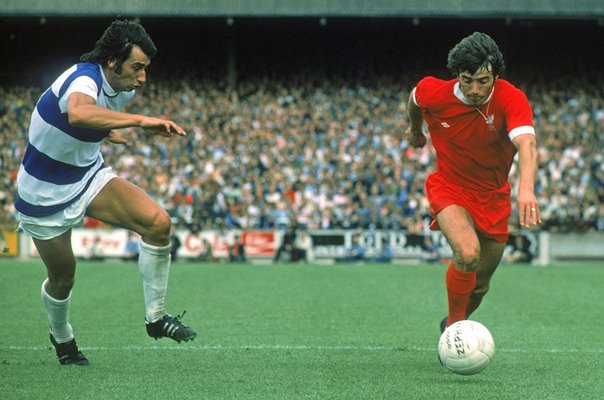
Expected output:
(528, 209)
(416, 140)
(117, 137)
(162, 127)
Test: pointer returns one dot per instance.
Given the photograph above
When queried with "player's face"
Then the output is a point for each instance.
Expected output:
(133, 72)
(477, 87)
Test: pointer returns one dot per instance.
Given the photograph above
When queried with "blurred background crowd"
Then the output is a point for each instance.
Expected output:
(319, 150)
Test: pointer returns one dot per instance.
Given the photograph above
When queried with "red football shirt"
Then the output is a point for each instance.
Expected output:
(474, 150)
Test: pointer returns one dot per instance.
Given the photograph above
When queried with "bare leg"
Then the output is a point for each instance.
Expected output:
(458, 227)
(121, 203)
(490, 257)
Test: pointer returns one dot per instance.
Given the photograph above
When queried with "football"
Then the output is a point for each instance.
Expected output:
(466, 347)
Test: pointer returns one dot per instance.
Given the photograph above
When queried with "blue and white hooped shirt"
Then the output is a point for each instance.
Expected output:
(61, 160)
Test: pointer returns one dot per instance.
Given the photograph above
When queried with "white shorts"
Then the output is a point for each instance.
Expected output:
(45, 228)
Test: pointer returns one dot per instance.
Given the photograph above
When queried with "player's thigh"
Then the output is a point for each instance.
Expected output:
(458, 227)
(121, 203)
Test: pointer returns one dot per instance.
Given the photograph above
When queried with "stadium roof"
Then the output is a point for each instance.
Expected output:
(308, 8)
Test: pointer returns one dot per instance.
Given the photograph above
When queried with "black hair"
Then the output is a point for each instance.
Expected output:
(475, 52)
(117, 41)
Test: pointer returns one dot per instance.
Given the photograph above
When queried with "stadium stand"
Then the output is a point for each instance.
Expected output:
(326, 152)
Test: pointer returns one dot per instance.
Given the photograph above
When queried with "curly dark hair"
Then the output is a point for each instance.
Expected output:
(475, 52)
(117, 41)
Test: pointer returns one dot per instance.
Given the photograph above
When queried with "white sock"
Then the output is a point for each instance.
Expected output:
(154, 266)
(58, 316)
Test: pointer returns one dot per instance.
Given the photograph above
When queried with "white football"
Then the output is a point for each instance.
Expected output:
(466, 347)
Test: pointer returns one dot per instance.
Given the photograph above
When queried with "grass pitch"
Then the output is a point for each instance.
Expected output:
(304, 332)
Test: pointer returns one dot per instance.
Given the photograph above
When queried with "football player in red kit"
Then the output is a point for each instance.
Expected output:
(477, 123)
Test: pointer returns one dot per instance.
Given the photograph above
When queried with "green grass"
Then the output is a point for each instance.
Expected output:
(304, 332)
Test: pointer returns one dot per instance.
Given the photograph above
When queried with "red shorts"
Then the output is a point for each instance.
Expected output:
(490, 210)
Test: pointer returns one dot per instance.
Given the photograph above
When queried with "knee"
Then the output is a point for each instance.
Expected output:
(59, 285)
(158, 229)
(467, 257)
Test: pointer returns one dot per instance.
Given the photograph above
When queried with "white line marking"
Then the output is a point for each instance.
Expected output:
(187, 347)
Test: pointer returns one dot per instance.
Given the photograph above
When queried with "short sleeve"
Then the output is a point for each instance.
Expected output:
(82, 84)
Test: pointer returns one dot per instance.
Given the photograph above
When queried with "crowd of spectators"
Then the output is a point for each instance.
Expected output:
(319, 151)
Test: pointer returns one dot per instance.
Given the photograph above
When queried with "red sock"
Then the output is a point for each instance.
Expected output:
(459, 287)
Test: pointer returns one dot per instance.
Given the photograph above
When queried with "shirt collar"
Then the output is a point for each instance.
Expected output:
(107, 89)
(459, 94)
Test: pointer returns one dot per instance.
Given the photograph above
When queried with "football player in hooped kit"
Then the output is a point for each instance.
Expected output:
(63, 178)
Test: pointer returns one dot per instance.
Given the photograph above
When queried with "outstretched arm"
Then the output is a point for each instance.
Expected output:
(83, 112)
